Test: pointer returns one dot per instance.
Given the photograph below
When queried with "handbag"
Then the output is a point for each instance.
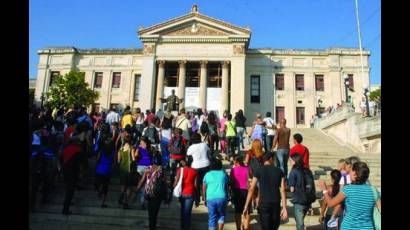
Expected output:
(178, 189)
(377, 215)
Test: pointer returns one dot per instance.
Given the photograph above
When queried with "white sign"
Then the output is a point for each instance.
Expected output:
(213, 99)
(191, 97)
(191, 100)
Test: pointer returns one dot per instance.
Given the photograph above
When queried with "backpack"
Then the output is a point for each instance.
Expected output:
(305, 190)
(254, 164)
(176, 146)
(152, 134)
(155, 186)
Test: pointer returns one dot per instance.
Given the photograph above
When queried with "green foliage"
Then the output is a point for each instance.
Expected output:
(375, 93)
(70, 90)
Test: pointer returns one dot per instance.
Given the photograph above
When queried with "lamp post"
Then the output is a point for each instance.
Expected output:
(367, 94)
(346, 77)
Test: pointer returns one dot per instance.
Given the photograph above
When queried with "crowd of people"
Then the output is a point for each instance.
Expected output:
(159, 156)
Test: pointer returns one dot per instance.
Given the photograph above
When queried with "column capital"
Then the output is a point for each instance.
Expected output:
(161, 63)
(203, 63)
(182, 63)
(225, 64)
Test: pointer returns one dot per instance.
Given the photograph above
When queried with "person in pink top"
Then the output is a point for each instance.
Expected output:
(239, 186)
(221, 133)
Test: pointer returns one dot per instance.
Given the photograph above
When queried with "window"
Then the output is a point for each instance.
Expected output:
(171, 74)
(351, 82)
(280, 81)
(214, 75)
(300, 115)
(192, 74)
(137, 87)
(280, 113)
(300, 83)
(54, 75)
(98, 80)
(116, 80)
(319, 83)
(255, 89)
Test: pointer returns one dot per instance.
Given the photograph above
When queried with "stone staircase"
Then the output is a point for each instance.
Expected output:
(87, 214)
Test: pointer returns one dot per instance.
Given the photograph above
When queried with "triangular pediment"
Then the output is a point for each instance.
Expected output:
(194, 24)
(195, 29)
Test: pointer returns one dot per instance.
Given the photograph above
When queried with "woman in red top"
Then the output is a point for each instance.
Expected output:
(189, 177)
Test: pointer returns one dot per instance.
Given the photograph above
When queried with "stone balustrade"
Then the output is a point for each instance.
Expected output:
(361, 134)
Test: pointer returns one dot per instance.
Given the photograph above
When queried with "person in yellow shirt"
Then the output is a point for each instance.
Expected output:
(127, 119)
(230, 129)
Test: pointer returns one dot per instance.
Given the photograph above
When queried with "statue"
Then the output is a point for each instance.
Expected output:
(172, 101)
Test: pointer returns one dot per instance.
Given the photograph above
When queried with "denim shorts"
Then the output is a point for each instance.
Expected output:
(216, 212)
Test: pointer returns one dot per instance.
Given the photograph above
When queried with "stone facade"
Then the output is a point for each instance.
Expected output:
(196, 38)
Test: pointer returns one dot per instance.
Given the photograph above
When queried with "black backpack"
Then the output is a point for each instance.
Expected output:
(152, 134)
(305, 191)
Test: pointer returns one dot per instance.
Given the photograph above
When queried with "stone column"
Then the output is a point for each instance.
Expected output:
(132, 89)
(160, 84)
(181, 82)
(202, 85)
(147, 82)
(109, 89)
(225, 86)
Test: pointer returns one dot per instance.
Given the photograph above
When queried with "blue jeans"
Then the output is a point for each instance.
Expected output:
(216, 212)
(186, 210)
(268, 142)
(300, 213)
(283, 155)
(239, 134)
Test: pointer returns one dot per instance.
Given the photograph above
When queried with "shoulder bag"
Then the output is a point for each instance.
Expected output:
(178, 189)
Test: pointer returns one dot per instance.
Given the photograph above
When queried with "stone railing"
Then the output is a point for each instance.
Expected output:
(361, 134)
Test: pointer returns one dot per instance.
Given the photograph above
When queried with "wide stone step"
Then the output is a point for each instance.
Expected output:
(89, 198)
(53, 221)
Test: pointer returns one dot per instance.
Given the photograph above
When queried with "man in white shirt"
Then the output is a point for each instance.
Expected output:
(183, 123)
(271, 127)
(112, 116)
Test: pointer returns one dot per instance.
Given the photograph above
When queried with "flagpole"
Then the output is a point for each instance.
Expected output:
(360, 45)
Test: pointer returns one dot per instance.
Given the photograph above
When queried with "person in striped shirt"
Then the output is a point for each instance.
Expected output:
(358, 197)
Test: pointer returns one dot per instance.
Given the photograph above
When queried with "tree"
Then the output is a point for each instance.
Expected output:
(70, 90)
(375, 93)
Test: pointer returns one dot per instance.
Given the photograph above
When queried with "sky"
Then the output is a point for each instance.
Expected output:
(299, 24)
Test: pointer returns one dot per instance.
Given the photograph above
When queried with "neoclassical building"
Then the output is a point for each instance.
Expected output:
(209, 64)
